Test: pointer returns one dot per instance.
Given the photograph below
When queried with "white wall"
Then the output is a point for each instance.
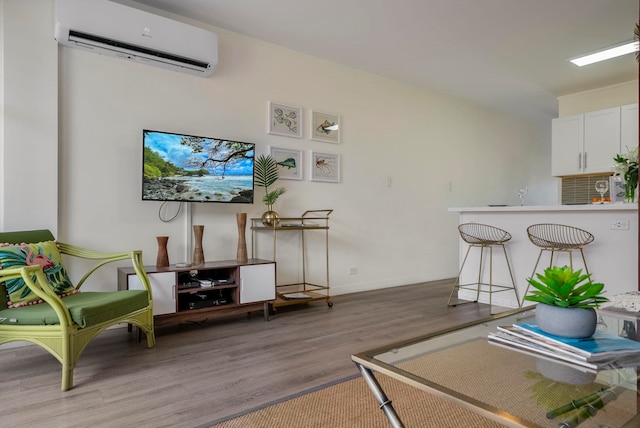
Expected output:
(439, 152)
(29, 131)
(598, 99)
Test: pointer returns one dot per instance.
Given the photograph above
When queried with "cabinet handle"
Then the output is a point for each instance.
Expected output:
(579, 161)
(585, 160)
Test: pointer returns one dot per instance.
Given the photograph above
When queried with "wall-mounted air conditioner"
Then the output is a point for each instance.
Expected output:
(113, 29)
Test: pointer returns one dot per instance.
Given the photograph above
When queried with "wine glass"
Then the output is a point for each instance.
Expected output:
(522, 193)
(601, 187)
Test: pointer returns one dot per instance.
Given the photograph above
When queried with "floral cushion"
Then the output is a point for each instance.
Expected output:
(45, 254)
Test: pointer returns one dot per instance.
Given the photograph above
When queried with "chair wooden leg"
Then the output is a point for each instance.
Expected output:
(151, 339)
(68, 365)
(68, 361)
(67, 376)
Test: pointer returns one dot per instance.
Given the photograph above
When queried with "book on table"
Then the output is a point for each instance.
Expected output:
(526, 337)
(508, 340)
(599, 347)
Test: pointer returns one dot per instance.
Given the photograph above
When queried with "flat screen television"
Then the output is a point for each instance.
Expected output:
(180, 167)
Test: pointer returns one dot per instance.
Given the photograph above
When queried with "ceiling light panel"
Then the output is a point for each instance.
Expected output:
(608, 53)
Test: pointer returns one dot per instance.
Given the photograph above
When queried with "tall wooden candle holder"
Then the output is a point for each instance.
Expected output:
(241, 220)
(198, 252)
(163, 255)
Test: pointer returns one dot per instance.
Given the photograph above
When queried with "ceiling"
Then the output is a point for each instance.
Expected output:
(511, 55)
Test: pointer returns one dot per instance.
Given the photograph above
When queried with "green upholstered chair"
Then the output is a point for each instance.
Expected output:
(65, 325)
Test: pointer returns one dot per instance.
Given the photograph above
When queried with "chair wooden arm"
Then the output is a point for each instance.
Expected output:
(107, 257)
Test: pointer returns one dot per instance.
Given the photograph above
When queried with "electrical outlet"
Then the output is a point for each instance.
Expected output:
(620, 225)
(353, 270)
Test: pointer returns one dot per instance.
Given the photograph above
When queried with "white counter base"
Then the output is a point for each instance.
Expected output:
(612, 258)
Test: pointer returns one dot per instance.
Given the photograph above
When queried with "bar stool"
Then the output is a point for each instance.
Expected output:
(558, 238)
(483, 236)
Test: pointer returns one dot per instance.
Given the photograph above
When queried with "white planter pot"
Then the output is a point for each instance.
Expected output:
(575, 323)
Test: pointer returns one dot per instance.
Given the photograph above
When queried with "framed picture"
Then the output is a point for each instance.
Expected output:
(325, 127)
(289, 163)
(285, 120)
(325, 167)
(616, 188)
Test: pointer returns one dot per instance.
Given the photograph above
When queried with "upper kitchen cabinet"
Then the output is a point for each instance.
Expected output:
(567, 145)
(628, 127)
(601, 140)
(587, 143)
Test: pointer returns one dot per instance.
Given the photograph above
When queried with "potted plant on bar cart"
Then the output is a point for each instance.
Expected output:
(266, 174)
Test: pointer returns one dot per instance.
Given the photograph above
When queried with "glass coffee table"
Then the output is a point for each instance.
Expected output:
(511, 387)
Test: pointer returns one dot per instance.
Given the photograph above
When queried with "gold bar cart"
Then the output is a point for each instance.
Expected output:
(304, 291)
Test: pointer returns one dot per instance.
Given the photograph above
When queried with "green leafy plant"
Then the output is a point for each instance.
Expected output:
(561, 286)
(266, 174)
(627, 166)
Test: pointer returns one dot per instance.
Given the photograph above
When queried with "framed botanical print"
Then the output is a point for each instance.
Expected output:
(289, 163)
(325, 127)
(325, 167)
(285, 120)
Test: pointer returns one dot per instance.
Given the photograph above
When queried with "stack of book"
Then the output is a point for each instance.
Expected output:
(598, 351)
(205, 282)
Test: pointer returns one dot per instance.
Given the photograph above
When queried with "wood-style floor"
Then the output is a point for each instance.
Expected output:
(200, 373)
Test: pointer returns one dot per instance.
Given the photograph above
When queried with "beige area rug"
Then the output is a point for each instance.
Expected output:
(351, 404)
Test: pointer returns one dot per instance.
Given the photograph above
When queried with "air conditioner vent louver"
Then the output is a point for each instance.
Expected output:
(113, 29)
(78, 37)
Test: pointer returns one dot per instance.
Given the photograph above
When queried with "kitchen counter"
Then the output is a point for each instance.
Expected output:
(612, 257)
(560, 208)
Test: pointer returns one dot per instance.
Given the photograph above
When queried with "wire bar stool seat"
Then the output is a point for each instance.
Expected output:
(558, 238)
(483, 236)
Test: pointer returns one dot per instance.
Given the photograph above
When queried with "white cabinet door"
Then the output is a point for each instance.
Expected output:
(257, 283)
(567, 141)
(601, 140)
(628, 127)
(162, 288)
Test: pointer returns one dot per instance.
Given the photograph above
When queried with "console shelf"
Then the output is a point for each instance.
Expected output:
(303, 291)
(209, 290)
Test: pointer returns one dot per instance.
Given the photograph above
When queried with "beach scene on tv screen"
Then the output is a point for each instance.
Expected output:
(196, 169)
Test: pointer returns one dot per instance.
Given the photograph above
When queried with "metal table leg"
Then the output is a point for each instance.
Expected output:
(385, 403)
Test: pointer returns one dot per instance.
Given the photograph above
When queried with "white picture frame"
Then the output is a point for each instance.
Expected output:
(289, 162)
(324, 167)
(284, 120)
(616, 189)
(325, 127)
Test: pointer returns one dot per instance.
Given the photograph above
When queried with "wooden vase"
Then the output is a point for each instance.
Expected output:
(198, 253)
(241, 220)
(163, 256)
